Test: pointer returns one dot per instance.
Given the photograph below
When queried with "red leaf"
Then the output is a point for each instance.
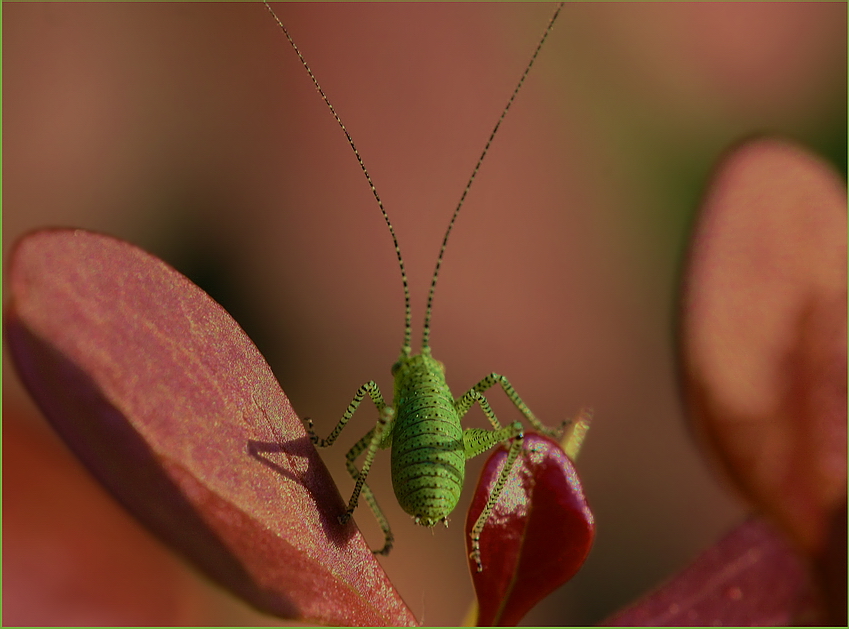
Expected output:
(764, 343)
(752, 577)
(538, 536)
(171, 406)
(764, 332)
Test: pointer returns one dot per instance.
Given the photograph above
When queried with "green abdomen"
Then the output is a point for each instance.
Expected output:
(428, 463)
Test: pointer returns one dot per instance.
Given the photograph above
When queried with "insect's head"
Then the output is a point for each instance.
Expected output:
(402, 365)
(397, 366)
(405, 362)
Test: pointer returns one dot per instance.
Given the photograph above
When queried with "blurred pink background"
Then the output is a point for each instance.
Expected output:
(193, 131)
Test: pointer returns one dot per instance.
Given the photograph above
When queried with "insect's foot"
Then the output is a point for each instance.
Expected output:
(476, 551)
(387, 546)
(556, 433)
(476, 556)
(345, 517)
(313, 437)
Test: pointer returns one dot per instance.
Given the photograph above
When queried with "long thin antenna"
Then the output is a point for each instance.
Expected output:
(407, 316)
(429, 311)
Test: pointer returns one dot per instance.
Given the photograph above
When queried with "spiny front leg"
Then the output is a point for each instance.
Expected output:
(373, 392)
(377, 437)
(493, 379)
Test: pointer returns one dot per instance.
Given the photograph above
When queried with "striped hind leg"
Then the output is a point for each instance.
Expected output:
(369, 444)
(476, 441)
(492, 379)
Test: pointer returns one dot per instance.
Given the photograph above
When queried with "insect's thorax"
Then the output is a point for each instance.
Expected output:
(428, 462)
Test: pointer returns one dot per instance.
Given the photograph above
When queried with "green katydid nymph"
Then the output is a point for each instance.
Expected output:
(422, 424)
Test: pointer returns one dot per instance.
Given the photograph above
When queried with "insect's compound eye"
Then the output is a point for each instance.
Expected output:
(396, 367)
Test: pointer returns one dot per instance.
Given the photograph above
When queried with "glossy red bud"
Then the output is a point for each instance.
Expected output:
(538, 536)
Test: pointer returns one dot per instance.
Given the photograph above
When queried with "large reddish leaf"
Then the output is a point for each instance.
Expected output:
(763, 340)
(764, 332)
(171, 406)
(538, 536)
(752, 577)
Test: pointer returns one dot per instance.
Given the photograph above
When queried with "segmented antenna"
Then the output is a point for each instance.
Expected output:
(407, 311)
(429, 311)
(407, 315)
